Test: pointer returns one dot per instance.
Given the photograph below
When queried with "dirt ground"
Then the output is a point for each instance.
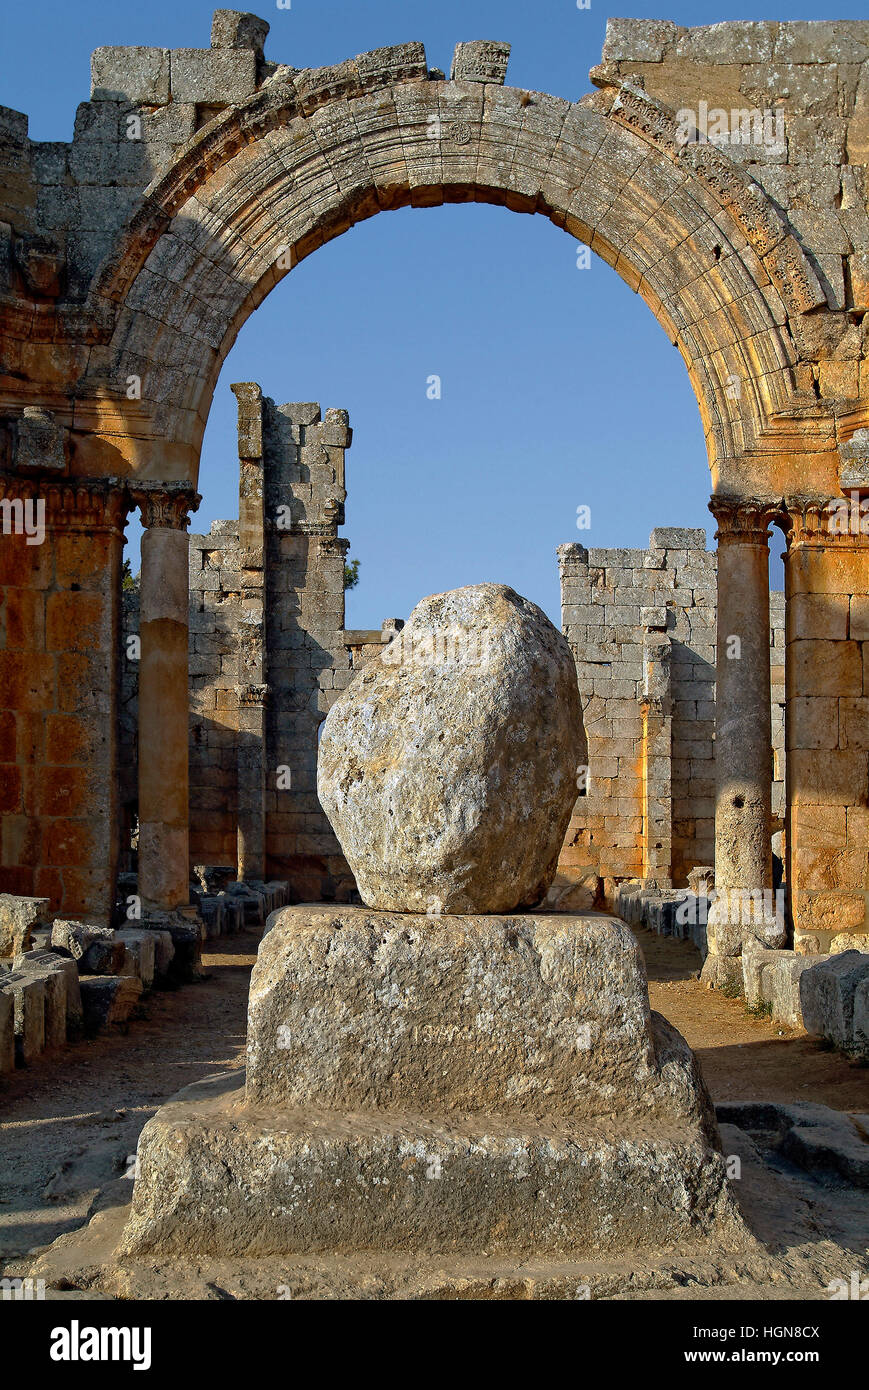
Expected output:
(745, 1058)
(69, 1123)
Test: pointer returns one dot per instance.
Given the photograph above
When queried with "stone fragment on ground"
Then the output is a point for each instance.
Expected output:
(108, 1000)
(19, 917)
(834, 996)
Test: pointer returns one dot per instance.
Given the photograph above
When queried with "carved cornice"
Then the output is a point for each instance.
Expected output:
(88, 504)
(165, 505)
(751, 208)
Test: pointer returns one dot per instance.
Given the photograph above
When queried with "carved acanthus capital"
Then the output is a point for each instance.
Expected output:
(166, 505)
(253, 695)
(743, 520)
(825, 521)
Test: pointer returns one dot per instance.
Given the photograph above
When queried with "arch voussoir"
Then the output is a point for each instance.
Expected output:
(293, 166)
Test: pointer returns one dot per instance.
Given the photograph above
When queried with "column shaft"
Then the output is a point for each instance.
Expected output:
(743, 742)
(163, 704)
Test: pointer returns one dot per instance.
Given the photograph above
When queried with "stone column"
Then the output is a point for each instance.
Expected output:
(657, 712)
(164, 873)
(827, 720)
(743, 742)
(251, 782)
(252, 688)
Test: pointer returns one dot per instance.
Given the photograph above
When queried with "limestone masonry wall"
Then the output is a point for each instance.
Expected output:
(268, 652)
(196, 180)
(642, 627)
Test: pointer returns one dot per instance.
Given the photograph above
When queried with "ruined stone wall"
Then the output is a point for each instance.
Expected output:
(62, 203)
(752, 256)
(216, 616)
(308, 661)
(812, 78)
(295, 616)
(642, 627)
(268, 650)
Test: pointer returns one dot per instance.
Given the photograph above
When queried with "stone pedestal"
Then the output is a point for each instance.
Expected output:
(439, 1085)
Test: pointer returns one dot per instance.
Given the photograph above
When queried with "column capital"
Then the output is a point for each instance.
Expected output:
(165, 505)
(743, 520)
(823, 521)
(253, 695)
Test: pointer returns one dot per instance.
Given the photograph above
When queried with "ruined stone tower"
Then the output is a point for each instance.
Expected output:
(268, 647)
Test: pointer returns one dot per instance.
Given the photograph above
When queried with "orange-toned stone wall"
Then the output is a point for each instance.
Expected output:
(828, 739)
(58, 685)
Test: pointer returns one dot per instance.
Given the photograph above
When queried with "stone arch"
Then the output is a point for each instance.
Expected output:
(269, 180)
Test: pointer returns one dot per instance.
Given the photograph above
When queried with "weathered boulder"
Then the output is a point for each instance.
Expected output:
(448, 766)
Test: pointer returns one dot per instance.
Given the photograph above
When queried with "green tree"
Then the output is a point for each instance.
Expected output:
(129, 581)
(351, 574)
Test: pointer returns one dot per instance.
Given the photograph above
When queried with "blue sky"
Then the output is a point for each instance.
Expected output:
(559, 389)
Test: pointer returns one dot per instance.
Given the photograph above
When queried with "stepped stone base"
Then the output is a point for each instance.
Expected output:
(220, 1179)
(371, 1037)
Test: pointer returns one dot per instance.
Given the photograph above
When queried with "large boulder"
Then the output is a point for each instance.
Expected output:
(448, 766)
